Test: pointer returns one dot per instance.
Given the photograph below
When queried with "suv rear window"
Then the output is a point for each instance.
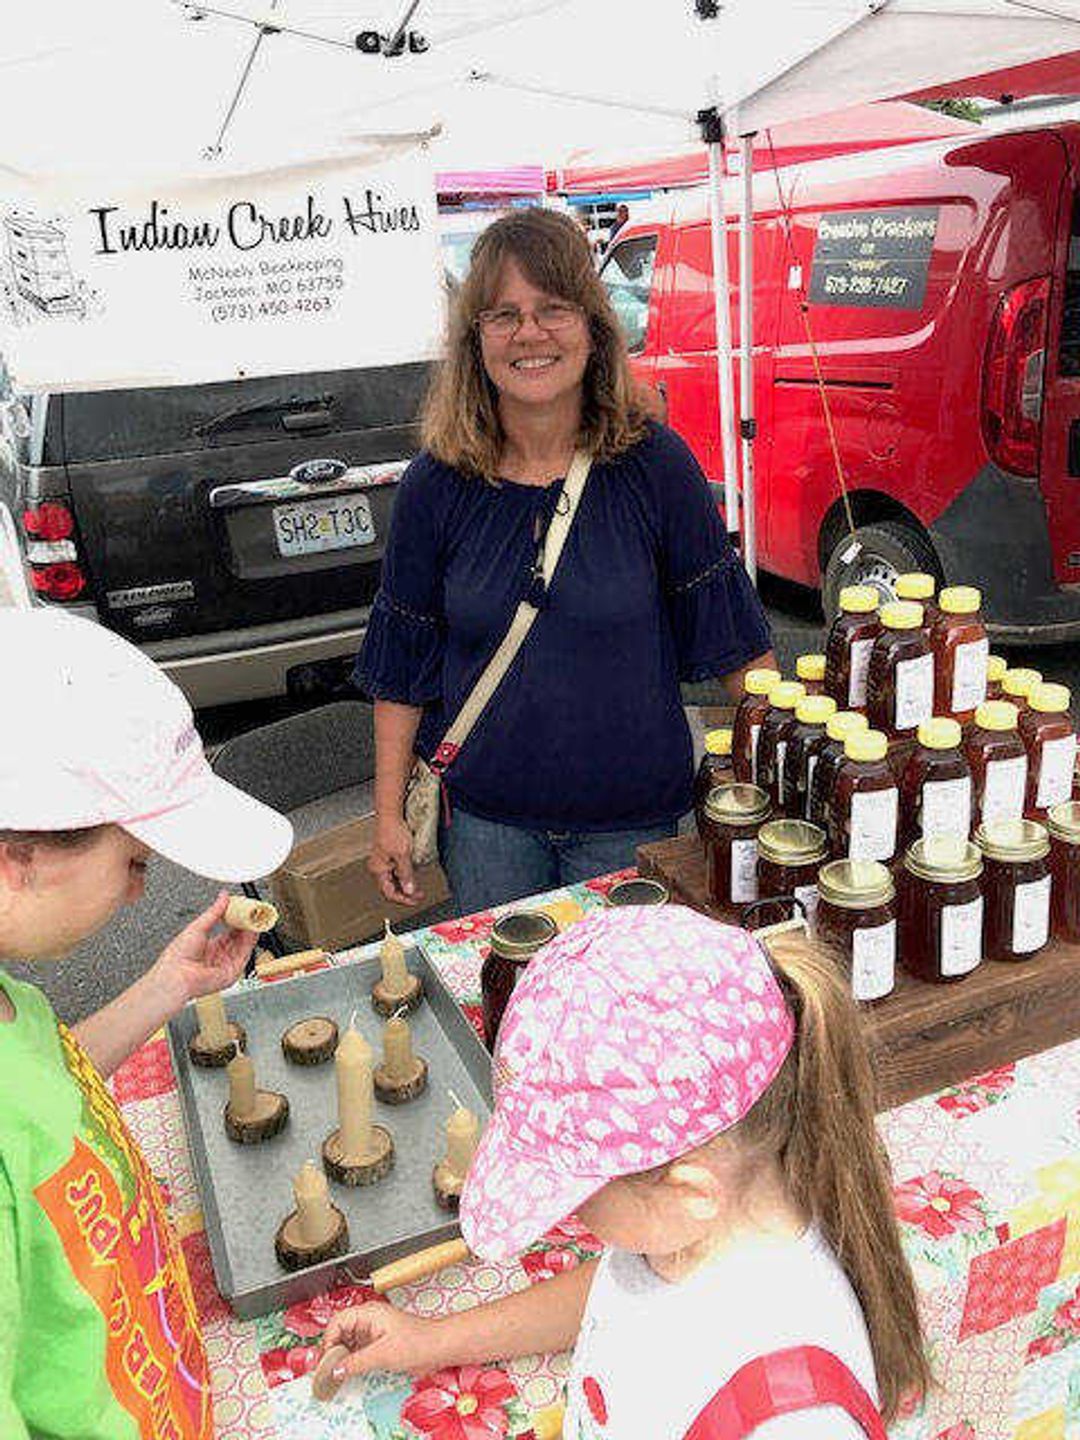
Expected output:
(627, 273)
(118, 424)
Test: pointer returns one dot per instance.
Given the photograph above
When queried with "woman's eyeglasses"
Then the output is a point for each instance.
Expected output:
(507, 320)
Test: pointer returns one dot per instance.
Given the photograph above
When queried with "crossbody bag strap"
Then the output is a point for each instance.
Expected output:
(526, 613)
(804, 1377)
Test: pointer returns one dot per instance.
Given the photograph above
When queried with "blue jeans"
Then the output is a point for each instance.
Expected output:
(490, 864)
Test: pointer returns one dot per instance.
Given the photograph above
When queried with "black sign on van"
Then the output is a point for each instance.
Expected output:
(873, 257)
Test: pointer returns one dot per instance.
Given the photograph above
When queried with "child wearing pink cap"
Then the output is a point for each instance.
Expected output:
(100, 766)
(707, 1110)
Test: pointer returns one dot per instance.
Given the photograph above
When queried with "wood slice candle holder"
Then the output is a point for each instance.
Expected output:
(447, 1186)
(385, 1004)
(293, 1254)
(311, 1041)
(269, 1118)
(378, 1162)
(397, 1090)
(216, 1057)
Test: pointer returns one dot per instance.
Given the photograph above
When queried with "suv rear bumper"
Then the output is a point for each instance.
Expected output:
(252, 664)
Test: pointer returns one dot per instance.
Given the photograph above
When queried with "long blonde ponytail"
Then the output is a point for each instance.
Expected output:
(818, 1118)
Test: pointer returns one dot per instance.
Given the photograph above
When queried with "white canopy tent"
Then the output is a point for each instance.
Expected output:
(151, 82)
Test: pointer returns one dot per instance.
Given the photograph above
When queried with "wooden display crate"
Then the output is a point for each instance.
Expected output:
(924, 1037)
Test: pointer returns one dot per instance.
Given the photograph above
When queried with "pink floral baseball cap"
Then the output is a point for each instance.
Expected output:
(631, 1039)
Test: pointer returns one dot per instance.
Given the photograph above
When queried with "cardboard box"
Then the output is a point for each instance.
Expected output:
(328, 897)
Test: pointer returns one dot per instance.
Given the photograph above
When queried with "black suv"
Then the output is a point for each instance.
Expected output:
(233, 530)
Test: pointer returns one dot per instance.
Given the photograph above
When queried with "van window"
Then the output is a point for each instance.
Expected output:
(1069, 346)
(627, 273)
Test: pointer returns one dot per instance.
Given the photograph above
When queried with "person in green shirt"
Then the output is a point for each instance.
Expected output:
(100, 766)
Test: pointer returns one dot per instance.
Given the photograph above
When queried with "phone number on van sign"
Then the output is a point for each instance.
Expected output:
(267, 308)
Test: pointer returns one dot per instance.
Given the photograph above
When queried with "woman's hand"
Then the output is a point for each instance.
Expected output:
(198, 962)
(382, 1338)
(391, 863)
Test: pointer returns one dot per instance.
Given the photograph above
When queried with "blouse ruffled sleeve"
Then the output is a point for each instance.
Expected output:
(716, 617)
(402, 654)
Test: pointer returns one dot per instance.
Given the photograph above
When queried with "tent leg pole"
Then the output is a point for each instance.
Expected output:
(746, 347)
(722, 311)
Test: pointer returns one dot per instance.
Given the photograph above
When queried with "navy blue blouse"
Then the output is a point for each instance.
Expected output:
(587, 730)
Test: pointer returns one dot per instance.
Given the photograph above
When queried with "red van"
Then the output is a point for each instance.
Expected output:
(940, 284)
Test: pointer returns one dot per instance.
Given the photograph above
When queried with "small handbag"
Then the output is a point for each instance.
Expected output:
(423, 791)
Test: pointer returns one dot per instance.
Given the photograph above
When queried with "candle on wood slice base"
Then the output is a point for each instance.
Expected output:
(252, 1115)
(403, 1074)
(316, 1230)
(462, 1138)
(396, 988)
(218, 1038)
(310, 1042)
(367, 1169)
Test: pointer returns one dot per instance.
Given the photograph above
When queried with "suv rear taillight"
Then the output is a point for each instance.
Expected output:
(50, 520)
(55, 572)
(1013, 377)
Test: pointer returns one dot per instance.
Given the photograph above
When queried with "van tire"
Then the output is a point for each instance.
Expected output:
(887, 548)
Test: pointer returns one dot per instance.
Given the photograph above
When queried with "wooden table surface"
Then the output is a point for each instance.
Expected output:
(923, 1037)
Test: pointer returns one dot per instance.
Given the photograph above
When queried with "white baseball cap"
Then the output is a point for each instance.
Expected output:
(92, 732)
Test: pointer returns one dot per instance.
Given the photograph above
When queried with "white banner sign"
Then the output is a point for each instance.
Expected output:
(323, 267)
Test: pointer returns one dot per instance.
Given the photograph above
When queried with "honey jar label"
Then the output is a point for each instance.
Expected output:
(1056, 771)
(914, 692)
(946, 807)
(873, 961)
(961, 937)
(755, 735)
(873, 824)
(857, 673)
(807, 896)
(1003, 797)
(743, 871)
(969, 675)
(1031, 916)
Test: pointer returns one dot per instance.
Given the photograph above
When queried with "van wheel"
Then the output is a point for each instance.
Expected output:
(887, 548)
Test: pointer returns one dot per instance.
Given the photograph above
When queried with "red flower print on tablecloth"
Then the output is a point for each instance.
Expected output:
(978, 1093)
(281, 1365)
(603, 883)
(469, 927)
(1045, 1345)
(594, 1398)
(963, 1431)
(545, 1264)
(572, 1232)
(466, 1403)
(940, 1205)
(309, 1318)
(1067, 1316)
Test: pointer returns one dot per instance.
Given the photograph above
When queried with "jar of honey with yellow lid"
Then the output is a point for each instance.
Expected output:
(998, 763)
(847, 651)
(900, 681)
(751, 711)
(810, 671)
(715, 769)
(1046, 728)
(996, 665)
(1016, 887)
(1017, 685)
(961, 653)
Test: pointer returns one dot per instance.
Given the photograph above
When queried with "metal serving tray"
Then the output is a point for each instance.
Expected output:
(246, 1190)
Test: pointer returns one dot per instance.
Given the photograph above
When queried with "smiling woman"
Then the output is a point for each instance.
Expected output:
(582, 752)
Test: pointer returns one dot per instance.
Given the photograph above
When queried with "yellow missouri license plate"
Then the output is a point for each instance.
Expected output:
(336, 523)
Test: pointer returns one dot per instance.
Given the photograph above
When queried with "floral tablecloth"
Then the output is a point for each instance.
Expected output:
(988, 1192)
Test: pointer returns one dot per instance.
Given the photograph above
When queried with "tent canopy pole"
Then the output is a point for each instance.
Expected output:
(712, 132)
(747, 425)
